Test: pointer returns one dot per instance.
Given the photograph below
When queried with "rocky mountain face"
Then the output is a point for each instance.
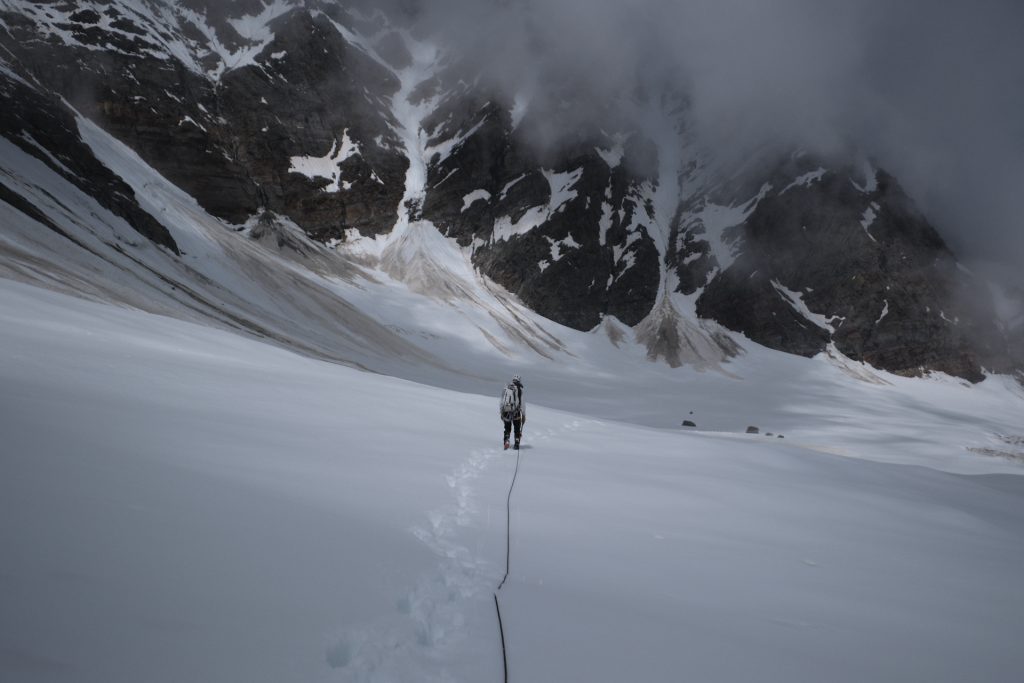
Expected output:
(352, 126)
(848, 245)
(571, 234)
(307, 115)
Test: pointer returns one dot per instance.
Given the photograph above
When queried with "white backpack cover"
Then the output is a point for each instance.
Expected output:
(509, 405)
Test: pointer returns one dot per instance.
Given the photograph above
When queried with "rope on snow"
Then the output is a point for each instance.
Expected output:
(508, 557)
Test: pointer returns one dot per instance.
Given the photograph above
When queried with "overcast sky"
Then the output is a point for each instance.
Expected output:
(934, 90)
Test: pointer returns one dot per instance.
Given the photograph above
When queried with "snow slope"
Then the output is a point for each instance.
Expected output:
(184, 503)
(411, 305)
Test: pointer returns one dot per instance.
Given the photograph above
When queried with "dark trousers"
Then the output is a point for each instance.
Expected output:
(518, 422)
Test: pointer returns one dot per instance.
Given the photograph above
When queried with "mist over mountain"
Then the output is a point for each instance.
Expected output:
(931, 91)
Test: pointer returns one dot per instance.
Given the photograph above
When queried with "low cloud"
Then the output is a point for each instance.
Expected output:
(933, 91)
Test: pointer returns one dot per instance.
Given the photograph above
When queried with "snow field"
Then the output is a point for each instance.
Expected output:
(180, 503)
(183, 503)
(710, 559)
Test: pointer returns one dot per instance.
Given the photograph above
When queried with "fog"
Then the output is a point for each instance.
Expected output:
(933, 91)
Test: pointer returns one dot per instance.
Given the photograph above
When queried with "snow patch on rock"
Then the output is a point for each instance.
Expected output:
(805, 180)
(328, 166)
(885, 311)
(868, 218)
(796, 300)
(558, 245)
(473, 197)
(561, 187)
(713, 220)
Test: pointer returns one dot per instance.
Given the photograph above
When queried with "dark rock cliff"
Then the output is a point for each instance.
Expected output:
(43, 127)
(230, 142)
(880, 281)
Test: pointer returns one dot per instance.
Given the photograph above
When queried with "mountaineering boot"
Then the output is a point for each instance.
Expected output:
(506, 444)
(517, 444)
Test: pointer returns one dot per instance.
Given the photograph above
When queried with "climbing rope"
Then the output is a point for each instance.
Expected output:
(508, 522)
(508, 557)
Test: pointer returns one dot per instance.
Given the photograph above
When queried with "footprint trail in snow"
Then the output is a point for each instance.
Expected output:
(429, 621)
(417, 641)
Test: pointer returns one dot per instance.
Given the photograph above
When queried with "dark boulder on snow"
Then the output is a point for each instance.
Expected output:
(689, 423)
(753, 430)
